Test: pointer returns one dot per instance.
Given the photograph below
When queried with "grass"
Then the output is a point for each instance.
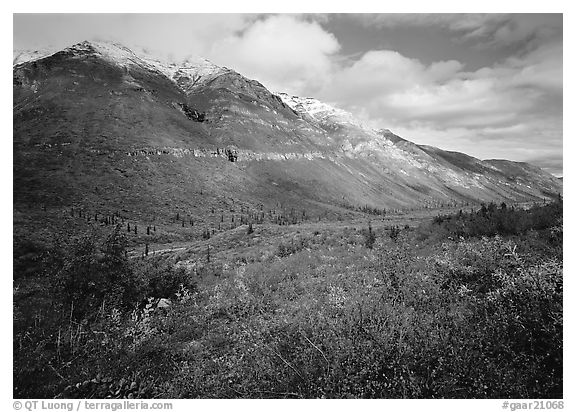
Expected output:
(301, 311)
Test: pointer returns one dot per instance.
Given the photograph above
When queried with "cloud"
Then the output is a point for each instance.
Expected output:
(181, 36)
(396, 88)
(512, 109)
(541, 68)
(168, 36)
(481, 29)
(285, 52)
(382, 72)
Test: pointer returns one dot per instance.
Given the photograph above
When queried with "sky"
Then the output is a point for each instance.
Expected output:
(489, 85)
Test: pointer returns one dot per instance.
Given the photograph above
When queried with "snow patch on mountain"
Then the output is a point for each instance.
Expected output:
(112, 52)
(20, 56)
(318, 110)
(195, 70)
(190, 74)
(194, 73)
(371, 142)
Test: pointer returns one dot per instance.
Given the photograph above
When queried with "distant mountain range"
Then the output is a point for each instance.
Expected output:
(97, 126)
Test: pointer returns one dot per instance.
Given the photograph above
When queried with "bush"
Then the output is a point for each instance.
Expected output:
(89, 273)
(295, 245)
(84, 317)
(491, 220)
(163, 279)
(463, 318)
(369, 237)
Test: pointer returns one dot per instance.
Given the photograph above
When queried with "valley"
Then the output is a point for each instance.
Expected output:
(180, 231)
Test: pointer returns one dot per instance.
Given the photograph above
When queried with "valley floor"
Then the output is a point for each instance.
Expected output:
(395, 308)
(226, 240)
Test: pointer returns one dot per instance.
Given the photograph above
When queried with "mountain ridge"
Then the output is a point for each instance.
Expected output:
(102, 99)
(200, 68)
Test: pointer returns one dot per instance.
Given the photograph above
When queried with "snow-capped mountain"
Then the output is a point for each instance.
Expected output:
(95, 113)
(317, 110)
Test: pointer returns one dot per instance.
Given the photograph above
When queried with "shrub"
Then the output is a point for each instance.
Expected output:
(295, 245)
(464, 318)
(163, 279)
(492, 220)
(88, 273)
(369, 237)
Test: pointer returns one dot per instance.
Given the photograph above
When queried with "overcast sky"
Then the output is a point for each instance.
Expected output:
(487, 85)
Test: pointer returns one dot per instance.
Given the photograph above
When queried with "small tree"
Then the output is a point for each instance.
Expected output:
(369, 237)
(394, 233)
(206, 234)
(250, 229)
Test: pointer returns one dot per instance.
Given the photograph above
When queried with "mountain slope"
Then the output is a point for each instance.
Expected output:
(98, 127)
(446, 175)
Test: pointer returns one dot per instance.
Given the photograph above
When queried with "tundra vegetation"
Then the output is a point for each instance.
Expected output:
(462, 306)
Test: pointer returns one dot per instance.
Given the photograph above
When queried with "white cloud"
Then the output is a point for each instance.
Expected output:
(395, 88)
(184, 35)
(510, 110)
(172, 36)
(382, 75)
(284, 52)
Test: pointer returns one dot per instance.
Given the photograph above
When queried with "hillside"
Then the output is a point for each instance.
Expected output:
(98, 128)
